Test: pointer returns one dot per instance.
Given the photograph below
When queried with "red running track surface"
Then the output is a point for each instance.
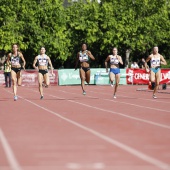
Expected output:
(69, 131)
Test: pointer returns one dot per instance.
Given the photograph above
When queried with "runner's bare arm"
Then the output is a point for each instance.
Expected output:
(24, 62)
(77, 60)
(90, 55)
(34, 63)
(51, 66)
(120, 60)
(8, 57)
(106, 62)
(163, 61)
(145, 64)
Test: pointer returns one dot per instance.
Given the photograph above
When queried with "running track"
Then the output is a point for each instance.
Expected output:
(69, 131)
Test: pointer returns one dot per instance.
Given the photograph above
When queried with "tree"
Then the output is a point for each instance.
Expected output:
(33, 24)
(82, 25)
(127, 24)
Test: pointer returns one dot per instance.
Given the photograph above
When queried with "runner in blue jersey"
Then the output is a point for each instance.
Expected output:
(16, 58)
(84, 57)
(156, 60)
(42, 61)
(114, 74)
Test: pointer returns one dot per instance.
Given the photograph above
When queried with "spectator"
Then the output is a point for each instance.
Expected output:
(134, 65)
(7, 73)
(142, 63)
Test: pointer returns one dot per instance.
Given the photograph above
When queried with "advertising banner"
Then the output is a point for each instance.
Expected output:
(102, 78)
(71, 76)
(140, 76)
(30, 77)
(97, 76)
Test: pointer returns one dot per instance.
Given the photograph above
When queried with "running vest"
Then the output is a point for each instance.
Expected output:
(42, 60)
(83, 57)
(113, 60)
(155, 61)
(15, 60)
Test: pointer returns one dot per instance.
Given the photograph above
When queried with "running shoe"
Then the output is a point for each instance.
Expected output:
(111, 84)
(154, 97)
(114, 96)
(41, 97)
(15, 98)
(84, 93)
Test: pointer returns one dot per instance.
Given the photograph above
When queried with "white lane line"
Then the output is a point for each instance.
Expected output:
(125, 102)
(109, 111)
(152, 100)
(151, 108)
(74, 165)
(118, 113)
(121, 91)
(9, 154)
(128, 149)
(121, 114)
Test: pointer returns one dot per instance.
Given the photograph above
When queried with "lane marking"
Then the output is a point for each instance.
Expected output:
(153, 100)
(120, 145)
(121, 114)
(98, 165)
(124, 91)
(117, 113)
(9, 154)
(138, 105)
(134, 104)
(125, 102)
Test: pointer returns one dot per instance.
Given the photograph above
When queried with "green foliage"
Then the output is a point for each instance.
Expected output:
(33, 24)
(84, 25)
(127, 24)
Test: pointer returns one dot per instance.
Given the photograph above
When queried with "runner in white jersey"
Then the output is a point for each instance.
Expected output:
(42, 61)
(83, 57)
(15, 58)
(156, 60)
(114, 74)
